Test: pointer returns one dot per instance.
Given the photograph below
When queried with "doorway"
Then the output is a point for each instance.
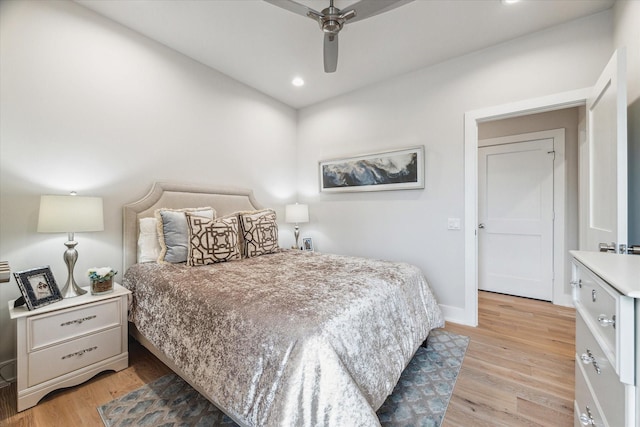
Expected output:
(604, 128)
(474, 121)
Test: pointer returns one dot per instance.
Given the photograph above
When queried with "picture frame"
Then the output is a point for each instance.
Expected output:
(38, 287)
(307, 244)
(387, 170)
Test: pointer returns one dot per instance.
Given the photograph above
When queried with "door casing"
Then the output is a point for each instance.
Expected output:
(576, 98)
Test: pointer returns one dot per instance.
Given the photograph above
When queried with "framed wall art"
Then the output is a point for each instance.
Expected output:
(388, 170)
(38, 287)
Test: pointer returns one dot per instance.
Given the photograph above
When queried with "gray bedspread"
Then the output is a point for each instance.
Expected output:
(288, 339)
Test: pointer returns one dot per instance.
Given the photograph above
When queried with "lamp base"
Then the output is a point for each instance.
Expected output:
(71, 288)
(296, 233)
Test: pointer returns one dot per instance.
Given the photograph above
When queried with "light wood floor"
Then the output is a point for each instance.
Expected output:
(518, 371)
(519, 366)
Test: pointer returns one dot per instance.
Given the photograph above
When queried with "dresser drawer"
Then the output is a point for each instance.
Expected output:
(70, 356)
(59, 326)
(598, 301)
(586, 409)
(602, 376)
(610, 317)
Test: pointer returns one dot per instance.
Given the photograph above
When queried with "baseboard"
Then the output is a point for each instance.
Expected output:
(564, 300)
(455, 315)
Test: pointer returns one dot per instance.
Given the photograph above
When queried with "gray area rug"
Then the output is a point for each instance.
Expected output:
(420, 398)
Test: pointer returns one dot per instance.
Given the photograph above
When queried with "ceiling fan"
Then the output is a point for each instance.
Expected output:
(332, 19)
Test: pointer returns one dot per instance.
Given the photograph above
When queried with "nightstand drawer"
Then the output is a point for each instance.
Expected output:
(59, 326)
(601, 374)
(73, 355)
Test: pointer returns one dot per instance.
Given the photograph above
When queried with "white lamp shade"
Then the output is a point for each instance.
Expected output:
(70, 214)
(297, 213)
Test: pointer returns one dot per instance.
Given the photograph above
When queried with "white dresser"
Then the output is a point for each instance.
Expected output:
(607, 299)
(68, 342)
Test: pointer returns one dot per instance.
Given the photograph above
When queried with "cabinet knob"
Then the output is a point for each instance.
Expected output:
(604, 322)
(587, 358)
(587, 419)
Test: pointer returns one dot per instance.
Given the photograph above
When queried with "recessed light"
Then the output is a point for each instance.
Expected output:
(297, 81)
(510, 1)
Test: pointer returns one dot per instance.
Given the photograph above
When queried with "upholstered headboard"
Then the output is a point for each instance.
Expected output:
(224, 200)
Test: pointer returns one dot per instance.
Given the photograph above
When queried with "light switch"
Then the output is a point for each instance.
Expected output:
(453, 224)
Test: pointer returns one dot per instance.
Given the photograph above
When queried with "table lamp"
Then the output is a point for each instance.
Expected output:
(296, 214)
(70, 214)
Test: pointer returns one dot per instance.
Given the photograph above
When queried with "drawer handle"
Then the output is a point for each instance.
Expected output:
(594, 295)
(80, 353)
(588, 358)
(587, 419)
(78, 321)
(604, 322)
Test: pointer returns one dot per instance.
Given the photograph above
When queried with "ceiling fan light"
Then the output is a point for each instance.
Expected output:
(331, 26)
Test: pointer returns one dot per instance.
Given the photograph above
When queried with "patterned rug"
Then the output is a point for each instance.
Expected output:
(420, 398)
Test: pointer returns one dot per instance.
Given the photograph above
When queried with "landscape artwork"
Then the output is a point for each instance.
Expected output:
(389, 170)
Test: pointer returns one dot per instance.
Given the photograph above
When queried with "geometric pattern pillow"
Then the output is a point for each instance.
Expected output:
(212, 240)
(259, 232)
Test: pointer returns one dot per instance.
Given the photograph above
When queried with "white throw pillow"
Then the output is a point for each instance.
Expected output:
(148, 243)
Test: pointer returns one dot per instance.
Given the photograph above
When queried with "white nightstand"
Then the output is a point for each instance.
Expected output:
(68, 342)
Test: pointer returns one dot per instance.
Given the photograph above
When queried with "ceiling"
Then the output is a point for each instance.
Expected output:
(265, 47)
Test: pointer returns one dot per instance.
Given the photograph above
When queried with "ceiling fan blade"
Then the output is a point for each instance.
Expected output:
(368, 8)
(330, 53)
(294, 7)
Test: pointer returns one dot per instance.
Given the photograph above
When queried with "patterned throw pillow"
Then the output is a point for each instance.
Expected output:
(212, 240)
(259, 232)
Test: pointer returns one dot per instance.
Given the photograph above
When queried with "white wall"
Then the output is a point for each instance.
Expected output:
(88, 105)
(427, 107)
(627, 33)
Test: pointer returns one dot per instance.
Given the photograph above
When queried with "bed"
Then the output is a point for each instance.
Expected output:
(285, 338)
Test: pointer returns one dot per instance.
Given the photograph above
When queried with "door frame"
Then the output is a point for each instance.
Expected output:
(559, 185)
(553, 102)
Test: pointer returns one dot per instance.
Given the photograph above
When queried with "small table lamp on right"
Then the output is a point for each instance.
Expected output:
(297, 214)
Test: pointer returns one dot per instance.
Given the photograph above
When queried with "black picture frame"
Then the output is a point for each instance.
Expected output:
(38, 287)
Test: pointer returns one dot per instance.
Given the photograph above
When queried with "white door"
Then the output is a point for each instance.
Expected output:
(515, 211)
(604, 165)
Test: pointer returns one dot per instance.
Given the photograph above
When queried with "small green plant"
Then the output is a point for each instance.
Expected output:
(101, 274)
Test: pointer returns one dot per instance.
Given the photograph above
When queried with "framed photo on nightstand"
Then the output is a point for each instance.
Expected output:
(38, 287)
(307, 244)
